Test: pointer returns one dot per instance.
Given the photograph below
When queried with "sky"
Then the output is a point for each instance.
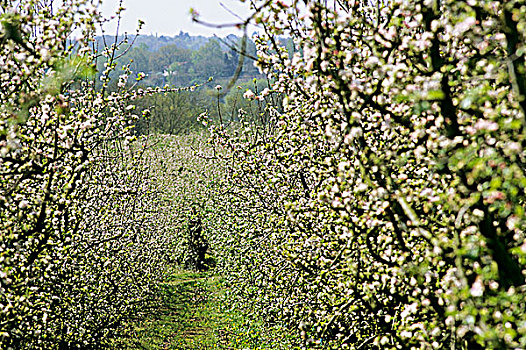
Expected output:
(169, 17)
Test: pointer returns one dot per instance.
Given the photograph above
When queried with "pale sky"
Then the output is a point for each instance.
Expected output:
(168, 17)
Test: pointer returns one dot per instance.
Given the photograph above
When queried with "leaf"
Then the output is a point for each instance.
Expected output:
(433, 95)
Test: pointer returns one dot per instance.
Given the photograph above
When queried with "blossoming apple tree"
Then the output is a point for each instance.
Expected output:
(82, 230)
(383, 207)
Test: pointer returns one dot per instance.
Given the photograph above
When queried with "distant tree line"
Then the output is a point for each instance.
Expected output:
(183, 59)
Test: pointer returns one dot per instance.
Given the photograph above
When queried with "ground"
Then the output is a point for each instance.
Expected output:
(193, 315)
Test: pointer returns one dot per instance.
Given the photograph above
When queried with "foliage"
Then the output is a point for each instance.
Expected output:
(174, 112)
(177, 112)
(384, 206)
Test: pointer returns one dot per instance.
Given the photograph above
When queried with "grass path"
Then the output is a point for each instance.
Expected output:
(191, 316)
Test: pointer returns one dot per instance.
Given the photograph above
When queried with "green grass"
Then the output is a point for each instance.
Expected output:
(193, 315)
